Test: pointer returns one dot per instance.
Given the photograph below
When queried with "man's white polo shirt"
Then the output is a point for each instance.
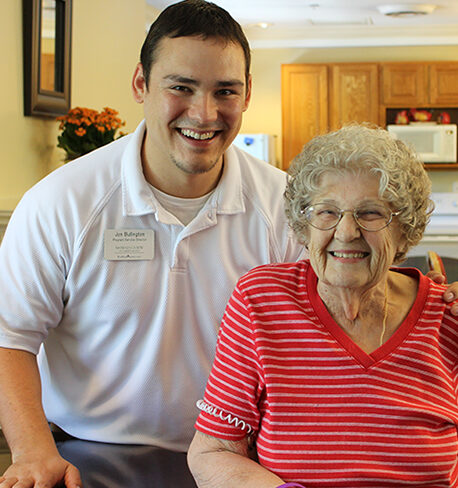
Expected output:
(128, 344)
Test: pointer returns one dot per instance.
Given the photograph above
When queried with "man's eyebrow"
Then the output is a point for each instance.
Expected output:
(230, 83)
(192, 81)
(181, 79)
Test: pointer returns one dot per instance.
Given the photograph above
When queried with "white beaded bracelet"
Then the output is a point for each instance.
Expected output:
(225, 417)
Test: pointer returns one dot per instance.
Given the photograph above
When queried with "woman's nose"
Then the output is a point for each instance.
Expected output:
(347, 229)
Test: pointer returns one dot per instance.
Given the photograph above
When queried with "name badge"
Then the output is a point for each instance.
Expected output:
(128, 244)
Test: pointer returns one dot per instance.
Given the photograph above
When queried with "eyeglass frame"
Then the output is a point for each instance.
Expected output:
(342, 212)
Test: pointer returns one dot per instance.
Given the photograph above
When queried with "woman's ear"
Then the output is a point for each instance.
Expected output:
(401, 251)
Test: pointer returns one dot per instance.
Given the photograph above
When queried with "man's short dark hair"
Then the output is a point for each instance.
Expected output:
(193, 18)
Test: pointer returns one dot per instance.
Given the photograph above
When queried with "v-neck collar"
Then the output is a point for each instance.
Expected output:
(340, 336)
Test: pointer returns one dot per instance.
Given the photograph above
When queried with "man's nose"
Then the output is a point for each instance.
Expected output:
(203, 109)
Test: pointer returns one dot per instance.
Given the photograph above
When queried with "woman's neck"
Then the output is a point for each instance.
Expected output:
(370, 317)
(353, 303)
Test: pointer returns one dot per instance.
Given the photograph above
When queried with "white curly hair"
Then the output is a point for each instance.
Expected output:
(356, 148)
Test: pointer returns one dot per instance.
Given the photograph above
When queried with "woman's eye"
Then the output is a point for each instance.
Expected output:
(327, 213)
(370, 214)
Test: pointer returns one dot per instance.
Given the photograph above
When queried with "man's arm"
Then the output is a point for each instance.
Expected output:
(450, 294)
(216, 463)
(36, 461)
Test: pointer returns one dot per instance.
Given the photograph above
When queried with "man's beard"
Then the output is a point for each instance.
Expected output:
(194, 170)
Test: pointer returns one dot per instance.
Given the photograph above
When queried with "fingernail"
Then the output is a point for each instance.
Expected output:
(449, 296)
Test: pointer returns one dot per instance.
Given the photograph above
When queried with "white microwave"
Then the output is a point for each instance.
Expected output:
(434, 143)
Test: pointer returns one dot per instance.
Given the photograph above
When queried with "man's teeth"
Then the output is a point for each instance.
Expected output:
(197, 135)
(349, 254)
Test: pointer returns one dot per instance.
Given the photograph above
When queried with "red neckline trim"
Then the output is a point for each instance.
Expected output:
(368, 360)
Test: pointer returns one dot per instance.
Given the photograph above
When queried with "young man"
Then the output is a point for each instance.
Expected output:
(131, 255)
(128, 343)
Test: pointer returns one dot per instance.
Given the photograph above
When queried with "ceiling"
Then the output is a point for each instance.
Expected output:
(331, 23)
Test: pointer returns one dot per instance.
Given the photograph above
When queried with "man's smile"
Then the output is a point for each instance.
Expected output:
(200, 136)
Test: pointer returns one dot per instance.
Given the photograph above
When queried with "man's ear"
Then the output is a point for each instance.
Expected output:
(248, 94)
(139, 87)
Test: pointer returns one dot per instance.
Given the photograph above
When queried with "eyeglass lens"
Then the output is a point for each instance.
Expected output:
(370, 217)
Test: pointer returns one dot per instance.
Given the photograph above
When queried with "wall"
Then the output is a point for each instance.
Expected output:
(107, 36)
(264, 114)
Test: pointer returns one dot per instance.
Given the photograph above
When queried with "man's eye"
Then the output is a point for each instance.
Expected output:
(226, 92)
(180, 88)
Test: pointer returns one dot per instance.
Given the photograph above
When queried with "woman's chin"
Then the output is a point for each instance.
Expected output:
(348, 281)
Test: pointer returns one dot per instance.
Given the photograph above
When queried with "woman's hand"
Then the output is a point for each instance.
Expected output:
(41, 472)
(450, 294)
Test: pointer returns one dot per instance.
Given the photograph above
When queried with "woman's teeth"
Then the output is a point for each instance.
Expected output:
(349, 255)
(197, 135)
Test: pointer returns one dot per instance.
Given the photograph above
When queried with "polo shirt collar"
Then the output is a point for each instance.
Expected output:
(138, 199)
(228, 196)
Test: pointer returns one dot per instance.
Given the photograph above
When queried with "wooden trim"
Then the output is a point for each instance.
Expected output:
(441, 166)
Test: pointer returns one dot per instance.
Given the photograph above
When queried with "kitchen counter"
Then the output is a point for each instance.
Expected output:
(120, 466)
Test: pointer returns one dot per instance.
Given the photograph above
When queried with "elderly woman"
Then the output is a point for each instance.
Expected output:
(342, 370)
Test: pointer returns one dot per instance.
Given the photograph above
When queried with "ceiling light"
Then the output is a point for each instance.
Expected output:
(406, 10)
(263, 25)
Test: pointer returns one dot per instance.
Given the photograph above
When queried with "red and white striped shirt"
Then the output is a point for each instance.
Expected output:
(325, 413)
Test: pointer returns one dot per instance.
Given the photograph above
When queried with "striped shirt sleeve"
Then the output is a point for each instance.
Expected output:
(236, 382)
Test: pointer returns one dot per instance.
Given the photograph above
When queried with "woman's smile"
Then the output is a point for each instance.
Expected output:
(349, 256)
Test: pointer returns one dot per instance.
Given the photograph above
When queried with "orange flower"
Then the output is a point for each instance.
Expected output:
(92, 128)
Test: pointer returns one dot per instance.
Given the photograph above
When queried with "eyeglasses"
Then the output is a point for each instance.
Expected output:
(325, 216)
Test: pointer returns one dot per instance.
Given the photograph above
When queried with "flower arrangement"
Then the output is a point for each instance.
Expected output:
(85, 129)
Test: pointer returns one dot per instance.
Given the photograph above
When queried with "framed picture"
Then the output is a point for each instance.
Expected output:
(47, 26)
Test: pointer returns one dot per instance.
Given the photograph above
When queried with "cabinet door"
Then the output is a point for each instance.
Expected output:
(443, 81)
(404, 84)
(353, 94)
(304, 106)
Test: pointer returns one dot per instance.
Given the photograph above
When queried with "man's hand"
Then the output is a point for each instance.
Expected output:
(36, 460)
(41, 473)
(450, 294)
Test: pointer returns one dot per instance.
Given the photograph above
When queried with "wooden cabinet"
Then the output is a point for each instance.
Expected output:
(403, 84)
(304, 106)
(443, 84)
(320, 97)
(353, 94)
(428, 84)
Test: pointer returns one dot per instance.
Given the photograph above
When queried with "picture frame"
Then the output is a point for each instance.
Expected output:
(47, 28)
